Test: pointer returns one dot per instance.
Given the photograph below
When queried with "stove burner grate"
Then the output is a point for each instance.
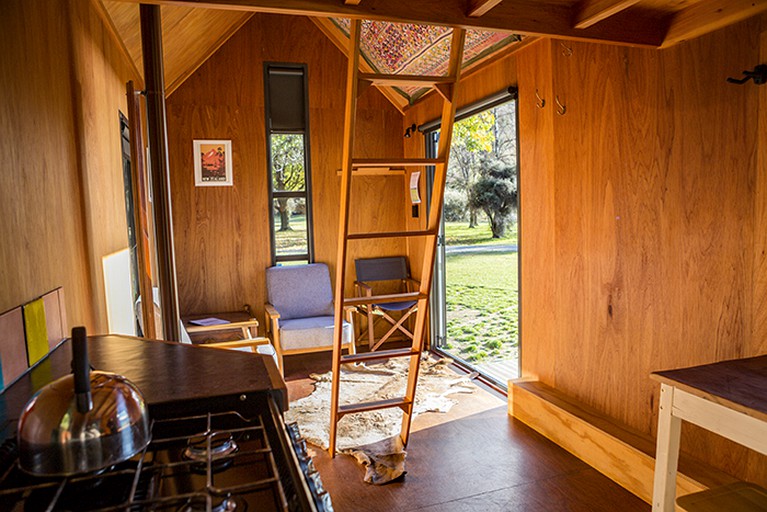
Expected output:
(180, 470)
(218, 444)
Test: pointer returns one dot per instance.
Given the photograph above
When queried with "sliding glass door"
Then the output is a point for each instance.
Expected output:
(475, 296)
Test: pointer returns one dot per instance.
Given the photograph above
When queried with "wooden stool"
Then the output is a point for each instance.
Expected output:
(737, 497)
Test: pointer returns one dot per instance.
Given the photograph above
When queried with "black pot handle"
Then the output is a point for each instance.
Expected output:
(81, 370)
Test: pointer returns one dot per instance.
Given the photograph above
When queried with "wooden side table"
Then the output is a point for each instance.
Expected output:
(241, 326)
(728, 398)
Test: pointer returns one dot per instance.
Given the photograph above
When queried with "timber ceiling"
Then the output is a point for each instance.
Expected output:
(190, 36)
(409, 36)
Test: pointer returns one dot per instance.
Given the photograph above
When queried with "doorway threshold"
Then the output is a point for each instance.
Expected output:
(495, 374)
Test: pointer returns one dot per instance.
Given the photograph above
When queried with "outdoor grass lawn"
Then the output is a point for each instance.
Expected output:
(459, 233)
(482, 306)
(293, 241)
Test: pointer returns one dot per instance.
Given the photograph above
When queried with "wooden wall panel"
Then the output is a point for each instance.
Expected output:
(653, 214)
(758, 343)
(654, 223)
(642, 218)
(222, 233)
(537, 205)
(60, 74)
(101, 70)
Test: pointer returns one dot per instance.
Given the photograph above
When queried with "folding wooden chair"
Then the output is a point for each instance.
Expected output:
(394, 270)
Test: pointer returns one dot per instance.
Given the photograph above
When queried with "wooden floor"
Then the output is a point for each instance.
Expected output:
(474, 458)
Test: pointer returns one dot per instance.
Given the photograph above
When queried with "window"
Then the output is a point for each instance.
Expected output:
(287, 129)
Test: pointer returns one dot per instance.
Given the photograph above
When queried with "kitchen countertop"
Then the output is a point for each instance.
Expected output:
(168, 374)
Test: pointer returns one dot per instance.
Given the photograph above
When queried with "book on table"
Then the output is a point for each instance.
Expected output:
(206, 322)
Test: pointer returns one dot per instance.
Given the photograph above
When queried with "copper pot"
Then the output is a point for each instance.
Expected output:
(82, 422)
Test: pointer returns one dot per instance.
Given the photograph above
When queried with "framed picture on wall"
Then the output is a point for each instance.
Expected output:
(212, 163)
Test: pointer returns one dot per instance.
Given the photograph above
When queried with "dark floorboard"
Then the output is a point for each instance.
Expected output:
(475, 458)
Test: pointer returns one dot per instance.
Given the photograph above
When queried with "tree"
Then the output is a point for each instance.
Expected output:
(287, 172)
(506, 132)
(495, 193)
(473, 139)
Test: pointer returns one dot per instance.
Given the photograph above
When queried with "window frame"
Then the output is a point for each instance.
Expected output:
(438, 307)
(306, 194)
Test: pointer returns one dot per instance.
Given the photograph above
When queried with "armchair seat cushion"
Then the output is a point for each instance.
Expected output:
(316, 331)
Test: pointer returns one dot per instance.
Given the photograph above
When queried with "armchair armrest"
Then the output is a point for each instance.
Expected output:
(270, 311)
(251, 344)
(272, 317)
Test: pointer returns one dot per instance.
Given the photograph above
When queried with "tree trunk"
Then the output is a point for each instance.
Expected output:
(473, 218)
(498, 226)
(284, 210)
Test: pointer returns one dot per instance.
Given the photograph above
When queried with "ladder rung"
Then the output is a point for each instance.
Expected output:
(395, 162)
(380, 299)
(402, 403)
(390, 234)
(381, 354)
(405, 80)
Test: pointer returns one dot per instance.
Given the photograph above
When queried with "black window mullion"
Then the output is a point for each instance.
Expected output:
(287, 113)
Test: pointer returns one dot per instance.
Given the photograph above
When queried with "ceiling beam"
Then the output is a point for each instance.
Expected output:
(589, 12)
(528, 17)
(479, 8)
(710, 15)
(352, 2)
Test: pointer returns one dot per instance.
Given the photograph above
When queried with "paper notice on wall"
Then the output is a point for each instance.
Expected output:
(415, 197)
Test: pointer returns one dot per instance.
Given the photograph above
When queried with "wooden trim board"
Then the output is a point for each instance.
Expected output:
(623, 455)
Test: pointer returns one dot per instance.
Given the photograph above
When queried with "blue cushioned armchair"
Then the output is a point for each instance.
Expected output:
(299, 311)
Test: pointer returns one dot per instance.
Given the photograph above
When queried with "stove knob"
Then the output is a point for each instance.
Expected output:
(301, 449)
(317, 481)
(294, 431)
(323, 500)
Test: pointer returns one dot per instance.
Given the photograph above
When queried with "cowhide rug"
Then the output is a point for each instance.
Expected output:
(373, 437)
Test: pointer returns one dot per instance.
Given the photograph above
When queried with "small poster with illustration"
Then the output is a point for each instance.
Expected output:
(212, 163)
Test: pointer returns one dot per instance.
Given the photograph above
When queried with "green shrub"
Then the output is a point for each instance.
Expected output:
(455, 206)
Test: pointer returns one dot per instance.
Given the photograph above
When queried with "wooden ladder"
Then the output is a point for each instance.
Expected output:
(356, 83)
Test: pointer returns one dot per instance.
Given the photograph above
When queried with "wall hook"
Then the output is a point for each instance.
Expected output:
(561, 109)
(758, 75)
(540, 102)
(566, 50)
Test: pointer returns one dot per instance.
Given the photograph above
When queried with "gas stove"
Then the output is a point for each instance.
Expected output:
(218, 462)
(202, 456)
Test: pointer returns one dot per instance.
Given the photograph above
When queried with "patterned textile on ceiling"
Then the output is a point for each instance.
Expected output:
(408, 49)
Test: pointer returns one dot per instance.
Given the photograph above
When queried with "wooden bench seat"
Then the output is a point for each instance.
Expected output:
(623, 454)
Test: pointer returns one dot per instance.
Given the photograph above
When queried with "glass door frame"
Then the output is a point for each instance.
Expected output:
(438, 302)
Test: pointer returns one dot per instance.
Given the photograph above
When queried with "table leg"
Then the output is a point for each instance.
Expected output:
(666, 453)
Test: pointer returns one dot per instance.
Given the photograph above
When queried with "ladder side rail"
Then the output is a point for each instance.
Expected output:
(343, 222)
(435, 214)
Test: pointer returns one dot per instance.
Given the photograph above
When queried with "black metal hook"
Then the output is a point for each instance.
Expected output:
(758, 75)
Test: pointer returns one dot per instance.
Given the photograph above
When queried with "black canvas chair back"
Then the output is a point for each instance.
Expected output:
(392, 268)
(382, 269)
